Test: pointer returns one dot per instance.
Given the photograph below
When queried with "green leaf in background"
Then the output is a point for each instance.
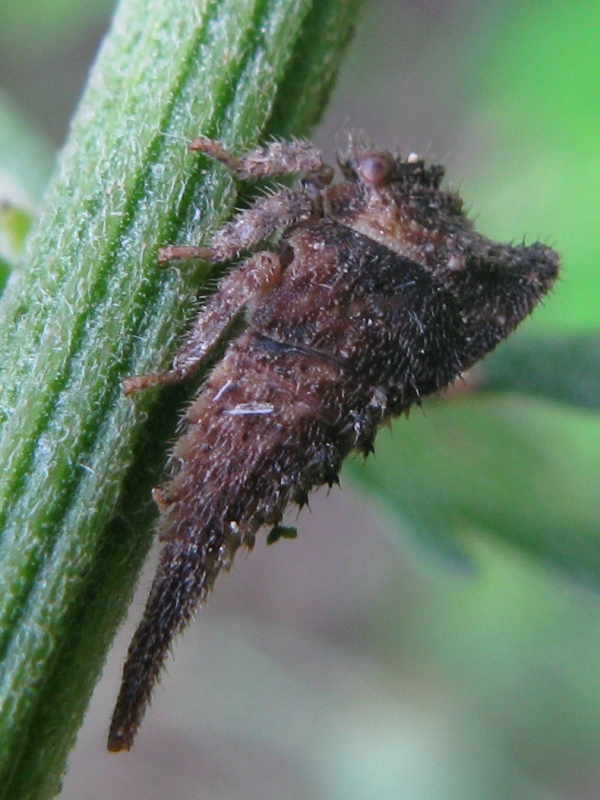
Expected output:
(14, 227)
(49, 24)
(79, 458)
(565, 369)
(26, 158)
(25, 164)
(496, 466)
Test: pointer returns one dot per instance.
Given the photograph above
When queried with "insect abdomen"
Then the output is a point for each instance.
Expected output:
(258, 438)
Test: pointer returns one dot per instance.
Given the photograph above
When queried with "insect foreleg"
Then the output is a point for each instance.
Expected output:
(276, 158)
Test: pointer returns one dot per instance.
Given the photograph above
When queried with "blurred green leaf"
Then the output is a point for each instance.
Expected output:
(521, 470)
(15, 224)
(5, 270)
(565, 369)
(25, 164)
(26, 158)
(14, 227)
(48, 24)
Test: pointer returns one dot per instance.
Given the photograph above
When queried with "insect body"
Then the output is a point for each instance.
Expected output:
(377, 294)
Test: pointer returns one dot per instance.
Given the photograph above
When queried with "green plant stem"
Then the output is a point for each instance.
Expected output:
(77, 457)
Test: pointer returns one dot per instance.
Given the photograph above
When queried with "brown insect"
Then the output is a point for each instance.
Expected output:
(377, 293)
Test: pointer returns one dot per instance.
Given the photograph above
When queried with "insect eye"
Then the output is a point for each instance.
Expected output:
(375, 168)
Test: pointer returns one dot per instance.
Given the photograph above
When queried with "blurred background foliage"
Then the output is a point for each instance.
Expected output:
(434, 632)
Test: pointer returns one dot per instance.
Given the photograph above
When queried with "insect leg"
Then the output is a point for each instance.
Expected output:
(276, 158)
(246, 284)
(268, 216)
